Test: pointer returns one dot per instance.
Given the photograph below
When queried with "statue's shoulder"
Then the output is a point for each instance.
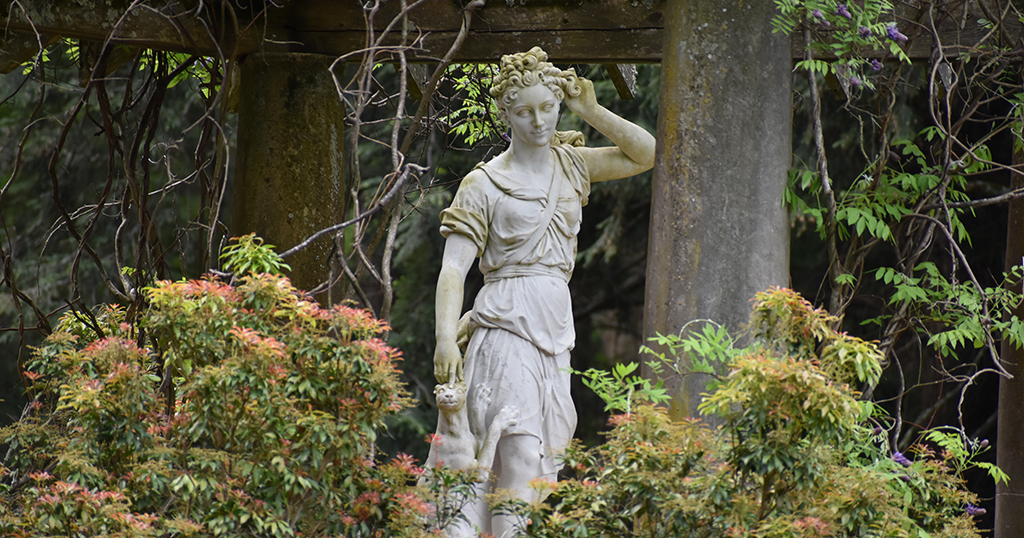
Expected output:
(477, 175)
(574, 163)
(573, 153)
(485, 179)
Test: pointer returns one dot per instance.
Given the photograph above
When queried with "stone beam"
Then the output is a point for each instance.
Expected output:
(172, 27)
(592, 31)
(17, 48)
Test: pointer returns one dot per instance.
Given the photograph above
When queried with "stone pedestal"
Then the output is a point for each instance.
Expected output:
(289, 174)
(718, 231)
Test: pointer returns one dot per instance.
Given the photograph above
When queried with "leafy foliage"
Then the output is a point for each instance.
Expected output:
(276, 409)
(620, 388)
(853, 29)
(476, 117)
(259, 420)
(134, 200)
(798, 456)
(248, 254)
(903, 175)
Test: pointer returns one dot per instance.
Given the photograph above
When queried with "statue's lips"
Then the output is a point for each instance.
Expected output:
(542, 132)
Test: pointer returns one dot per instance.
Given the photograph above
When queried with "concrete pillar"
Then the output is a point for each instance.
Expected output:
(289, 173)
(718, 231)
(1009, 516)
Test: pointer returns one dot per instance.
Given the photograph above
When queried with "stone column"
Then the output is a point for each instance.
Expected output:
(718, 231)
(289, 173)
(1009, 516)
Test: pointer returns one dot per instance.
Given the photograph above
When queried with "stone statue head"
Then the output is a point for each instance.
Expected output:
(525, 69)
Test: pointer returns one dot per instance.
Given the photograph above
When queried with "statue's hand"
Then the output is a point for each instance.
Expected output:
(585, 101)
(447, 362)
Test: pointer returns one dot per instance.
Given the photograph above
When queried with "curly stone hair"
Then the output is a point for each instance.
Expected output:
(529, 68)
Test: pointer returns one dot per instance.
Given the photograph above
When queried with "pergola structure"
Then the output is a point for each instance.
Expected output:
(718, 230)
(579, 31)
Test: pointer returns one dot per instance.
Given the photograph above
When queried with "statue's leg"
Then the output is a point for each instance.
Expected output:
(477, 513)
(520, 457)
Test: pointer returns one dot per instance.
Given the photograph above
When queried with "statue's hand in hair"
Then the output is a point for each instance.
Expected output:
(585, 102)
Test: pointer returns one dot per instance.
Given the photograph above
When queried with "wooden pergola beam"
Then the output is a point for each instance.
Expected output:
(594, 31)
(173, 27)
(623, 76)
(17, 48)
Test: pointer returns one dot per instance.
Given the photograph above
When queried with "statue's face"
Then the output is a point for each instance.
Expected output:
(533, 115)
(450, 396)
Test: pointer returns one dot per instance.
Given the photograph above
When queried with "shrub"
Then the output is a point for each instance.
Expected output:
(226, 410)
(249, 410)
(799, 454)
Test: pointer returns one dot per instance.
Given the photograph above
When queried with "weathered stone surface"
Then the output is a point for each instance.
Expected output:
(289, 177)
(1009, 514)
(172, 26)
(582, 31)
(19, 47)
(718, 231)
(624, 78)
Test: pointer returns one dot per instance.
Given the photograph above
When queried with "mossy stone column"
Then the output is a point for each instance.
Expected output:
(718, 230)
(1009, 516)
(288, 178)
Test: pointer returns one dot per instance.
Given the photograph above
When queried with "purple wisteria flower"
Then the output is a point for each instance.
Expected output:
(842, 11)
(972, 510)
(899, 458)
(984, 443)
(864, 32)
(820, 17)
(876, 65)
(894, 33)
(854, 82)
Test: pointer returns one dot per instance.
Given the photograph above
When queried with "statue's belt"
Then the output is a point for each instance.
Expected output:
(517, 270)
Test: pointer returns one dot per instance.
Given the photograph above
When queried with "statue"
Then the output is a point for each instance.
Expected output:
(520, 214)
(456, 446)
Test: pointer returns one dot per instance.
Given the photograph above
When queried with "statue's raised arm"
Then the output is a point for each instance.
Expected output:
(519, 214)
(633, 151)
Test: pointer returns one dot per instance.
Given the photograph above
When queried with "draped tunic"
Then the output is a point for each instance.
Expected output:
(525, 293)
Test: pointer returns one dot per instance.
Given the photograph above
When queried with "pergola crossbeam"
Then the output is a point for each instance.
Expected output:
(623, 76)
(17, 48)
(595, 31)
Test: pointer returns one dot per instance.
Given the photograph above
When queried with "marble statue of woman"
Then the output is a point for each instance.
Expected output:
(520, 214)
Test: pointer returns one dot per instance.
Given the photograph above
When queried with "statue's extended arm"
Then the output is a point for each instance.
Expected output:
(459, 252)
(633, 152)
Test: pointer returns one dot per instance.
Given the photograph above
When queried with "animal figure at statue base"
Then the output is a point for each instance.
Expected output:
(455, 446)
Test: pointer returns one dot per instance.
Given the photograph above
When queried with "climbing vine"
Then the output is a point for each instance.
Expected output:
(894, 196)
